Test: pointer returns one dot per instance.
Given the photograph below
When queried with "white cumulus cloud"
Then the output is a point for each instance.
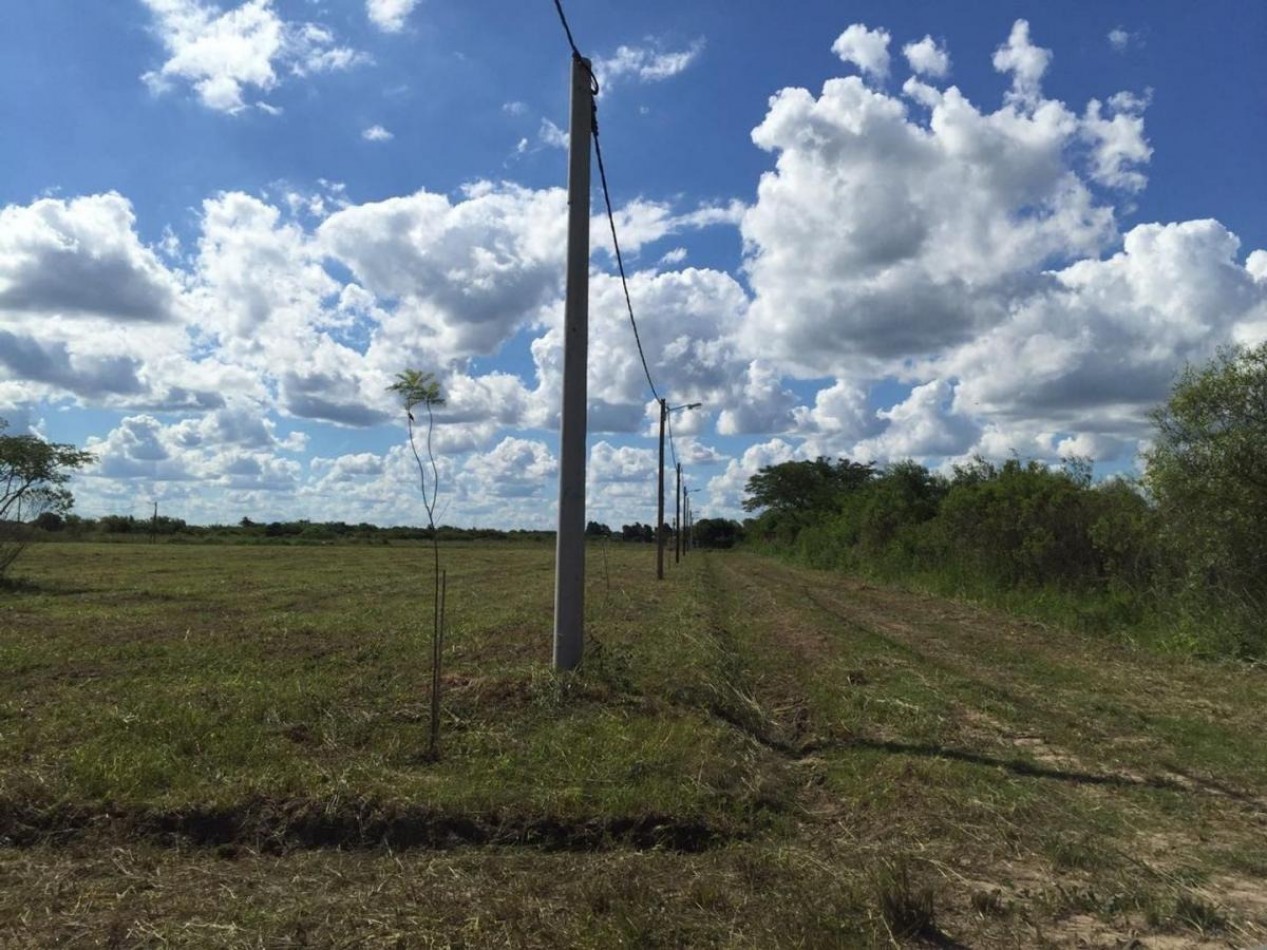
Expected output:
(1122, 39)
(465, 275)
(879, 234)
(1118, 142)
(82, 257)
(1026, 62)
(865, 48)
(389, 15)
(552, 136)
(645, 63)
(223, 54)
(927, 58)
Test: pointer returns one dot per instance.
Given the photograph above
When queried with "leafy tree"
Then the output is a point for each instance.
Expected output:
(1207, 471)
(716, 532)
(801, 487)
(1125, 537)
(416, 388)
(33, 479)
(637, 532)
(50, 521)
(905, 495)
(794, 495)
(1022, 523)
(116, 524)
(596, 529)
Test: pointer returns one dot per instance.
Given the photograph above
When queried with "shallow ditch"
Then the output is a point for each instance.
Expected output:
(277, 827)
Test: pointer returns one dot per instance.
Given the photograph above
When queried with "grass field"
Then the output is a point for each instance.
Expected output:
(224, 747)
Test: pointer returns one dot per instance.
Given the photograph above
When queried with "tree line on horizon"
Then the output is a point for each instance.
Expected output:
(129, 527)
(52, 525)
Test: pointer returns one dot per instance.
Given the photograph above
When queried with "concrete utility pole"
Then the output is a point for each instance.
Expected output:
(659, 528)
(686, 519)
(569, 558)
(688, 523)
(659, 518)
(677, 516)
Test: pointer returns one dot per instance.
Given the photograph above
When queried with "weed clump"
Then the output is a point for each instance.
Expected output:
(906, 908)
(1196, 914)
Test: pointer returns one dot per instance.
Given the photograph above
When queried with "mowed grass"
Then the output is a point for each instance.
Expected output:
(159, 680)
(225, 746)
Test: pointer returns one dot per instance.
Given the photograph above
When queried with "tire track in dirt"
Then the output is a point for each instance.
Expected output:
(955, 645)
(898, 620)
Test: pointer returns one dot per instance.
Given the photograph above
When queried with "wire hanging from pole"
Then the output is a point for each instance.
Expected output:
(558, 5)
(620, 264)
(672, 446)
(607, 201)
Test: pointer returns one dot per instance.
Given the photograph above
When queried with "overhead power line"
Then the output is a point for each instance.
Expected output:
(620, 264)
(558, 5)
(581, 63)
(607, 201)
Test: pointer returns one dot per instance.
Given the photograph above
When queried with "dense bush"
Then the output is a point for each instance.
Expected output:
(1090, 551)
(1207, 472)
(1180, 554)
(1022, 523)
(716, 533)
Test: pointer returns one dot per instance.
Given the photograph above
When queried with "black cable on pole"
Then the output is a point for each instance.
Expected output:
(576, 55)
(558, 5)
(672, 447)
(620, 264)
(611, 217)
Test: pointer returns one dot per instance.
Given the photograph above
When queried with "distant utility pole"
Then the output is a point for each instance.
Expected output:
(677, 516)
(688, 528)
(686, 517)
(569, 559)
(659, 522)
(688, 522)
(659, 517)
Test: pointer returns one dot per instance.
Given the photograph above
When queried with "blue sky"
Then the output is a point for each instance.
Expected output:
(921, 230)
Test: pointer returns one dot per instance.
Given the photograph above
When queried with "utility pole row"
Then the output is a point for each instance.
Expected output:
(665, 409)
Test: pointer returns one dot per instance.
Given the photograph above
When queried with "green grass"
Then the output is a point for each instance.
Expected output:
(753, 755)
(249, 674)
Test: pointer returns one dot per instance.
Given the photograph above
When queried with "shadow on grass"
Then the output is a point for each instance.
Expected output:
(933, 937)
(24, 585)
(927, 750)
(1015, 766)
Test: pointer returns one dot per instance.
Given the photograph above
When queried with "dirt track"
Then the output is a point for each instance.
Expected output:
(1165, 754)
